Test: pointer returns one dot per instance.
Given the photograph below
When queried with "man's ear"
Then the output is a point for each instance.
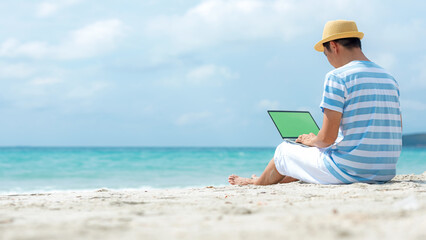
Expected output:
(333, 47)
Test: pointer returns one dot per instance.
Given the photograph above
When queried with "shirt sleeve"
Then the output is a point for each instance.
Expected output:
(334, 94)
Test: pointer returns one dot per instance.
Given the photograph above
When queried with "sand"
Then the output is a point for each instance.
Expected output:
(396, 210)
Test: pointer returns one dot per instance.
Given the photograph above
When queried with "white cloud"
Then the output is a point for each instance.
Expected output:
(16, 70)
(405, 36)
(88, 41)
(203, 75)
(49, 8)
(215, 21)
(391, 41)
(191, 118)
(12, 48)
(211, 74)
(45, 9)
(45, 81)
(87, 90)
(92, 39)
(52, 92)
(267, 104)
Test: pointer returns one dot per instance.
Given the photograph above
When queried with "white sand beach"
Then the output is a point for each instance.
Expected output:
(396, 210)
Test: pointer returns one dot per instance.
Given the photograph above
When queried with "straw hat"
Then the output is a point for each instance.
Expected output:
(338, 29)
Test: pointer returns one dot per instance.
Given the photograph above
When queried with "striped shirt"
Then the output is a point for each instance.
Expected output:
(368, 98)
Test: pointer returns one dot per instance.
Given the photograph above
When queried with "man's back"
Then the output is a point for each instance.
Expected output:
(368, 98)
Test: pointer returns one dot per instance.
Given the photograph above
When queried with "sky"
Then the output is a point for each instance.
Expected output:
(186, 73)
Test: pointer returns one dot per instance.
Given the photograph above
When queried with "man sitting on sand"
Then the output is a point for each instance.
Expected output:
(362, 100)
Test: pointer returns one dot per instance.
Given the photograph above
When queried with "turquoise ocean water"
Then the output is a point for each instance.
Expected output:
(40, 169)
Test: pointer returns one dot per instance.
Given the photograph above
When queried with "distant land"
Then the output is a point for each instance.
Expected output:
(414, 140)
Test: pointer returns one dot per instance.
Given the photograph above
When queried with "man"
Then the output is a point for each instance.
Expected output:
(361, 100)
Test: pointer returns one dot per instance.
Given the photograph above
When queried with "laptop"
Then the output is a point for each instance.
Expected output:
(291, 124)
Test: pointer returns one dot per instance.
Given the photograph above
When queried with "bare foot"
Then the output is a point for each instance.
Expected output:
(236, 180)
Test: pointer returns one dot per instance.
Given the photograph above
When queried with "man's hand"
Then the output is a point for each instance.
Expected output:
(328, 133)
(306, 139)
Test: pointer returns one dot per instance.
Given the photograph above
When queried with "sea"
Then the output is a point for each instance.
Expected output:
(50, 169)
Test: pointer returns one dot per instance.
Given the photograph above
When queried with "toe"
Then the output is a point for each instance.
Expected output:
(231, 179)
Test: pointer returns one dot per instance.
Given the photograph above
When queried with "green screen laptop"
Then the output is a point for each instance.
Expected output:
(291, 124)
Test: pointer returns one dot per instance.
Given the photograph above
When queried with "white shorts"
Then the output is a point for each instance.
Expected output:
(303, 163)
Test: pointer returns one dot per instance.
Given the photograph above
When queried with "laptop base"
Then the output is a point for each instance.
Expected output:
(296, 143)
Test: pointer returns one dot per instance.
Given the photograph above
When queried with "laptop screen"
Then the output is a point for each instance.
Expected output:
(291, 124)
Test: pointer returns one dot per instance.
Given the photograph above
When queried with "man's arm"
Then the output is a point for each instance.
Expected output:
(328, 133)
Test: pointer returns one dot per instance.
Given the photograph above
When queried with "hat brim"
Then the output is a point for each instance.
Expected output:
(319, 47)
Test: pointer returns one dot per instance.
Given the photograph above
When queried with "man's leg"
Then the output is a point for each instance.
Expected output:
(268, 177)
(288, 179)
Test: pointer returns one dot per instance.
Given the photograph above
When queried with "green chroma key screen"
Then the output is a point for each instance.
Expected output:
(291, 124)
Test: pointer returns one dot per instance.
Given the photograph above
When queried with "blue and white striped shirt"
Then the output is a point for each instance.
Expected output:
(368, 98)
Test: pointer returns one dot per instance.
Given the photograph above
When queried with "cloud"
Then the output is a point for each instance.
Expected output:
(92, 39)
(403, 36)
(87, 90)
(190, 118)
(89, 41)
(203, 75)
(49, 8)
(45, 81)
(209, 73)
(46, 8)
(211, 22)
(16, 70)
(215, 21)
(40, 91)
(267, 104)
(13, 48)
